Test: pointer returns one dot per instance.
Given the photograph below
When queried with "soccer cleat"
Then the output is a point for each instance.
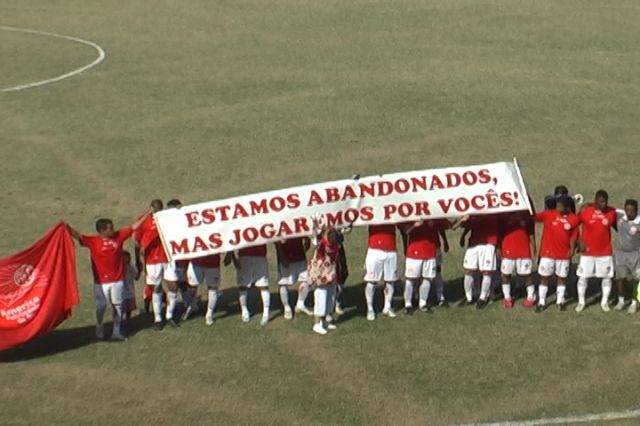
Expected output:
(172, 323)
(304, 310)
(481, 304)
(529, 303)
(507, 303)
(99, 332)
(331, 326)
(633, 308)
(158, 326)
(619, 306)
(371, 316)
(443, 304)
(408, 310)
(580, 307)
(389, 313)
(208, 319)
(117, 337)
(288, 313)
(539, 308)
(318, 328)
(605, 307)
(246, 316)
(426, 309)
(264, 320)
(466, 302)
(339, 309)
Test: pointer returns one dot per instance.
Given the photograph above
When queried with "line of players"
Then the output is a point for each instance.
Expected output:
(508, 239)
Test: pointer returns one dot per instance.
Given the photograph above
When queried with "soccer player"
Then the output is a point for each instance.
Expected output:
(205, 270)
(628, 252)
(381, 263)
(253, 270)
(292, 269)
(480, 254)
(559, 235)
(517, 248)
(107, 264)
(421, 261)
(596, 253)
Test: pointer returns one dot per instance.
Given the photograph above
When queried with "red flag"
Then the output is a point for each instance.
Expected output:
(38, 288)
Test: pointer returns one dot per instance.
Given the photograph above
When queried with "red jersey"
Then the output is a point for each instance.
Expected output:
(557, 234)
(596, 230)
(210, 261)
(516, 229)
(106, 255)
(382, 237)
(293, 249)
(484, 229)
(149, 238)
(424, 240)
(257, 251)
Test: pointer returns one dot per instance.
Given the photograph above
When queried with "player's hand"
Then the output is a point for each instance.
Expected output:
(465, 218)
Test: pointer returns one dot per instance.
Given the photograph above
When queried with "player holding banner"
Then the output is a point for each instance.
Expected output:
(205, 271)
(381, 263)
(517, 248)
(292, 269)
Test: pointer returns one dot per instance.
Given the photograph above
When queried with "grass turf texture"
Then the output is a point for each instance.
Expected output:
(211, 99)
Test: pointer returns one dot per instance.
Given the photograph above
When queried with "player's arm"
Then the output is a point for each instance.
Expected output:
(135, 225)
(229, 258)
(75, 234)
(458, 223)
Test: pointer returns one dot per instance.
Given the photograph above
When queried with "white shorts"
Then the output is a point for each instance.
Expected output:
(628, 265)
(253, 270)
(520, 267)
(596, 267)
(109, 293)
(324, 300)
(295, 272)
(420, 268)
(381, 264)
(156, 272)
(480, 258)
(549, 267)
(197, 275)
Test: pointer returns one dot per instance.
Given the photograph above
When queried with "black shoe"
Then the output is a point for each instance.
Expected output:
(443, 304)
(158, 326)
(561, 307)
(172, 323)
(539, 308)
(408, 311)
(466, 302)
(426, 310)
(481, 304)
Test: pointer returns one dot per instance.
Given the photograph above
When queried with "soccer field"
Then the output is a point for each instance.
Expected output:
(204, 100)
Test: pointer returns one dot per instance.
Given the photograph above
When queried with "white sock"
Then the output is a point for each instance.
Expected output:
(117, 319)
(506, 290)
(303, 292)
(582, 291)
(486, 287)
(100, 310)
(408, 294)
(606, 291)
(369, 292)
(542, 294)
(531, 292)
(242, 298)
(172, 300)
(266, 301)
(213, 300)
(388, 296)
(468, 287)
(560, 292)
(284, 297)
(156, 299)
(439, 284)
(621, 299)
(425, 288)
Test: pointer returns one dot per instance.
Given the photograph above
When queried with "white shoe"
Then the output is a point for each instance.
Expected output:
(328, 318)
(99, 332)
(318, 328)
(246, 316)
(605, 307)
(264, 320)
(208, 319)
(389, 312)
(288, 314)
(118, 337)
(619, 306)
(633, 308)
(339, 309)
(371, 316)
(331, 326)
(304, 310)
(580, 307)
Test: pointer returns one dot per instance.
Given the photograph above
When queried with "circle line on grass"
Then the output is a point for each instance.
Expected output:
(587, 418)
(101, 55)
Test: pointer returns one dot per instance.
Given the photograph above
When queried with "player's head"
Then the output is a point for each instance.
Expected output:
(631, 208)
(126, 257)
(563, 203)
(601, 199)
(105, 227)
(560, 190)
(156, 205)
(174, 203)
(332, 235)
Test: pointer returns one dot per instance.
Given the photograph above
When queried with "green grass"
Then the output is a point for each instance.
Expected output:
(204, 100)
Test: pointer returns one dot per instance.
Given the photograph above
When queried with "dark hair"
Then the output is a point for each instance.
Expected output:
(560, 190)
(565, 200)
(631, 202)
(174, 202)
(102, 224)
(156, 204)
(601, 193)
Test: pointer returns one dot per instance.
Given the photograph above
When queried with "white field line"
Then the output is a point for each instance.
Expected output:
(587, 418)
(100, 58)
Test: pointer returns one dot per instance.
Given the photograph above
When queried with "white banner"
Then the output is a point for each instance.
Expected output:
(234, 223)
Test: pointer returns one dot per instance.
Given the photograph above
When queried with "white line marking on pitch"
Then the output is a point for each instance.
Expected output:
(612, 415)
(100, 58)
